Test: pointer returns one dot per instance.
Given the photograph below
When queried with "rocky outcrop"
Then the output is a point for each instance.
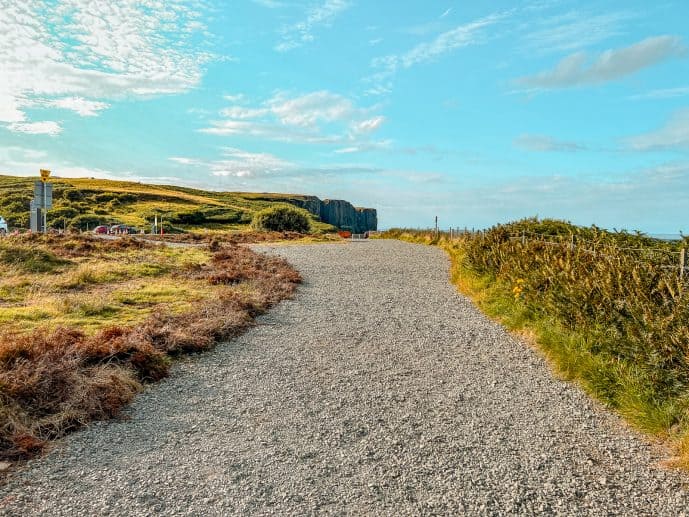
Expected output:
(340, 213)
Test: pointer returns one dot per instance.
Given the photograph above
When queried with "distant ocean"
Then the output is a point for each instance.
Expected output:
(666, 236)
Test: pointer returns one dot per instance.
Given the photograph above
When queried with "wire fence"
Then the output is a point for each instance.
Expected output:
(662, 258)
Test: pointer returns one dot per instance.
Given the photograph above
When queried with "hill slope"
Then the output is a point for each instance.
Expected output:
(84, 203)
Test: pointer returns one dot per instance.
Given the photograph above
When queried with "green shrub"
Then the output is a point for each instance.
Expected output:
(63, 212)
(72, 194)
(282, 219)
(85, 222)
(191, 217)
(30, 259)
(104, 197)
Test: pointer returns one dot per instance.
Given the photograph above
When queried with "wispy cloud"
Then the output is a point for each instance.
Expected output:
(465, 35)
(542, 144)
(579, 69)
(446, 13)
(79, 105)
(674, 135)
(573, 30)
(74, 55)
(254, 169)
(667, 93)
(47, 127)
(365, 147)
(270, 4)
(299, 34)
(238, 163)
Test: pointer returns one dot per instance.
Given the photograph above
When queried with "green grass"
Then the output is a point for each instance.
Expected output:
(97, 286)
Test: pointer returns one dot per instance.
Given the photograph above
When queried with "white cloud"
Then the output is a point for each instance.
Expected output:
(541, 143)
(673, 135)
(318, 117)
(239, 164)
(307, 110)
(241, 113)
(370, 125)
(320, 16)
(235, 98)
(47, 127)
(79, 52)
(83, 107)
(366, 147)
(578, 70)
(666, 93)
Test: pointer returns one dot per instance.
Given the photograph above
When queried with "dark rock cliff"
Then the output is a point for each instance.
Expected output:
(340, 213)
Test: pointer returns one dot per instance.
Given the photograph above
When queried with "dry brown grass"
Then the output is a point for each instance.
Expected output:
(239, 237)
(56, 380)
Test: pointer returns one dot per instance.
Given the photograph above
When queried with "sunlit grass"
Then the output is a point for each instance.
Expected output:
(101, 288)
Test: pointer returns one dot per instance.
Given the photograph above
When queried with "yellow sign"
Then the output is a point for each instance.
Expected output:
(45, 174)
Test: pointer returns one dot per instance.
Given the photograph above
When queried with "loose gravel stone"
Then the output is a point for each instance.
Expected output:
(377, 390)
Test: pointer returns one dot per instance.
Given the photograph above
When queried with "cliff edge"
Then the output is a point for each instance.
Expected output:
(340, 213)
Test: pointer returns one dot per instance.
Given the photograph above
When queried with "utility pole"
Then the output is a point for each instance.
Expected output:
(436, 225)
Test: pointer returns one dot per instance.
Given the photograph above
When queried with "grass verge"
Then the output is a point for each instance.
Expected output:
(82, 335)
(609, 321)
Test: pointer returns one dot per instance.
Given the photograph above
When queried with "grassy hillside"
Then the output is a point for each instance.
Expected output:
(84, 203)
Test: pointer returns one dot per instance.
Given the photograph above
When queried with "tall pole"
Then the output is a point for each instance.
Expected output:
(436, 225)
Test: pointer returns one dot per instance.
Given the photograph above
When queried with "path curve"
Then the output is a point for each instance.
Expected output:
(378, 390)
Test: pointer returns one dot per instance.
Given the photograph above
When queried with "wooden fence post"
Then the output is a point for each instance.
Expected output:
(682, 262)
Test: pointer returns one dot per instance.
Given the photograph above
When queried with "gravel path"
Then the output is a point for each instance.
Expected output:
(378, 390)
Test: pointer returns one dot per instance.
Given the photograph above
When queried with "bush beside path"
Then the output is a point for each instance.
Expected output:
(377, 390)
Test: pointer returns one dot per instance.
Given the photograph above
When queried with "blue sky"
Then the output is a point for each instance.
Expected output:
(477, 112)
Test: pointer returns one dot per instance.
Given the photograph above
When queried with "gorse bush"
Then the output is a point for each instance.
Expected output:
(630, 298)
(282, 219)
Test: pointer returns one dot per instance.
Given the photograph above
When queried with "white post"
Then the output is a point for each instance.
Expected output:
(682, 262)
(45, 207)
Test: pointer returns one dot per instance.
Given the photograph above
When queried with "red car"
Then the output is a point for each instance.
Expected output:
(100, 229)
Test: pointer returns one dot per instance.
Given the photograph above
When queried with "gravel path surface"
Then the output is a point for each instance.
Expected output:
(378, 390)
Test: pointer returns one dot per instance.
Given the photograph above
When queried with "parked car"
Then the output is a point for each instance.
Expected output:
(122, 229)
(3, 226)
(100, 229)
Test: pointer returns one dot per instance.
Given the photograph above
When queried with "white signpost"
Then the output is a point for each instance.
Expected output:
(42, 202)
